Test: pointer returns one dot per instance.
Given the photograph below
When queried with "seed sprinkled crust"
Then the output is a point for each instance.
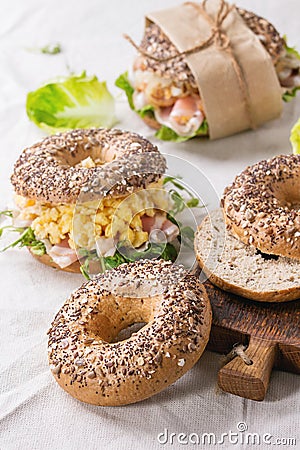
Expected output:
(240, 269)
(109, 372)
(48, 171)
(158, 44)
(261, 206)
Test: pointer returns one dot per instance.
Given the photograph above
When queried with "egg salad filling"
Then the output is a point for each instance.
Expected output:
(107, 232)
(82, 224)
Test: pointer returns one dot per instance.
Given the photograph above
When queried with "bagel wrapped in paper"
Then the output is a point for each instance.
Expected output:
(209, 69)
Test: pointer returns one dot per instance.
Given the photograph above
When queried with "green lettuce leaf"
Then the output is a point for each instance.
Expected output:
(164, 133)
(290, 95)
(147, 110)
(123, 83)
(77, 101)
(167, 134)
(295, 138)
(291, 50)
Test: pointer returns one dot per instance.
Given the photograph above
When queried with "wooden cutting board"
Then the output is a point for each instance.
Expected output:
(271, 332)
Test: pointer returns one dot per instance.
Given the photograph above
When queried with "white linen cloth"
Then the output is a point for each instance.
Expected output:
(34, 412)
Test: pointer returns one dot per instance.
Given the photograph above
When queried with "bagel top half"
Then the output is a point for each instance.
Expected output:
(50, 170)
(261, 206)
(156, 43)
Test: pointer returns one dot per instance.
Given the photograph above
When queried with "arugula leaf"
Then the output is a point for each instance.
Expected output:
(114, 261)
(295, 138)
(167, 134)
(192, 203)
(77, 101)
(173, 180)
(179, 203)
(84, 272)
(187, 235)
(6, 213)
(165, 251)
(126, 254)
(27, 239)
(169, 253)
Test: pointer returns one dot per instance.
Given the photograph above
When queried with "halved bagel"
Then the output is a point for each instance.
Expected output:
(241, 269)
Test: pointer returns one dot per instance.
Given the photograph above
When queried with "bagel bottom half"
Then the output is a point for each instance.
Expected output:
(241, 269)
(48, 261)
(151, 122)
(90, 361)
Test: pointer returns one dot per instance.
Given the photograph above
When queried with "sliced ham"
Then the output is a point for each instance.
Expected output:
(62, 254)
(160, 222)
(105, 246)
(153, 223)
(171, 230)
(184, 117)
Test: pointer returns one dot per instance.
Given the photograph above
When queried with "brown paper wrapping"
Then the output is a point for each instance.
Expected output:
(229, 107)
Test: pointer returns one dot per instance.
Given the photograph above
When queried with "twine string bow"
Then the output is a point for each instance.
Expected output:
(217, 37)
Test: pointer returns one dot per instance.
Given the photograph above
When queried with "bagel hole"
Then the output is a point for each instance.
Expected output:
(87, 157)
(287, 194)
(120, 317)
(267, 256)
(128, 331)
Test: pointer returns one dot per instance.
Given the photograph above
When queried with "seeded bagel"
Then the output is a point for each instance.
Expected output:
(261, 206)
(48, 170)
(241, 269)
(84, 356)
(156, 43)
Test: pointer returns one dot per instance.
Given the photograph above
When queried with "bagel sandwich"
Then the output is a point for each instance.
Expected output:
(165, 93)
(90, 200)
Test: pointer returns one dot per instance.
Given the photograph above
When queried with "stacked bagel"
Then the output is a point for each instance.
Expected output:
(87, 190)
(251, 246)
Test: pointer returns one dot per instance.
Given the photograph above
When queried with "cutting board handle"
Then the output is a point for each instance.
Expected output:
(249, 379)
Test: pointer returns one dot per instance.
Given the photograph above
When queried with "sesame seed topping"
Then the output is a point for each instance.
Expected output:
(57, 180)
(175, 328)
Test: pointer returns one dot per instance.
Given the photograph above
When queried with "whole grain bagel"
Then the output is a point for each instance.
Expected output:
(261, 206)
(90, 364)
(240, 269)
(49, 172)
(156, 43)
